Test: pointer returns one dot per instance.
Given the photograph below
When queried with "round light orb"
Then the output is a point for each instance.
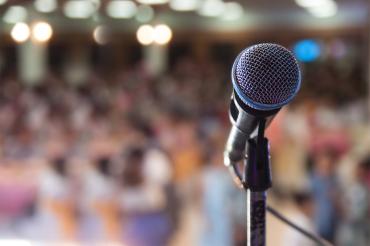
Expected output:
(45, 6)
(162, 34)
(153, 2)
(101, 35)
(42, 32)
(211, 8)
(20, 32)
(121, 9)
(145, 13)
(145, 34)
(187, 5)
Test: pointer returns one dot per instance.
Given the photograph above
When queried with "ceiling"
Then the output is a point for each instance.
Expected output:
(259, 14)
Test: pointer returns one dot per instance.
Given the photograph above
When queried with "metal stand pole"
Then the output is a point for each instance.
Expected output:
(256, 218)
(257, 177)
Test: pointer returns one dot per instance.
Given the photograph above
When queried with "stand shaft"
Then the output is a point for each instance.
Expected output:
(256, 218)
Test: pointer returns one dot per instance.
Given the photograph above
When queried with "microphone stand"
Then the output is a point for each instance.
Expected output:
(256, 181)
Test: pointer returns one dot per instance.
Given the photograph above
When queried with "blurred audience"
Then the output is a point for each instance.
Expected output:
(326, 192)
(302, 216)
(136, 159)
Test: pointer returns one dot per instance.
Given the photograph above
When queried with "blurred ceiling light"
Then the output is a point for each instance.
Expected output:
(154, 1)
(145, 13)
(100, 35)
(121, 9)
(233, 11)
(20, 32)
(307, 50)
(96, 4)
(2, 2)
(162, 34)
(15, 14)
(311, 3)
(79, 9)
(145, 34)
(319, 8)
(181, 5)
(45, 6)
(328, 10)
(42, 32)
(211, 8)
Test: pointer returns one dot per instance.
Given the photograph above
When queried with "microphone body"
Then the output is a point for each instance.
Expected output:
(265, 77)
(244, 126)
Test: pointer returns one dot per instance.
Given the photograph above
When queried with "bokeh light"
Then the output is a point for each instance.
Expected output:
(79, 9)
(145, 13)
(15, 14)
(211, 8)
(233, 11)
(46, 6)
(162, 34)
(319, 8)
(153, 1)
(145, 34)
(20, 32)
(42, 32)
(121, 9)
(181, 5)
(307, 50)
(101, 35)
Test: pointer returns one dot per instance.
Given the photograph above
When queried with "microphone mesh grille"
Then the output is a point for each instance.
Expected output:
(267, 74)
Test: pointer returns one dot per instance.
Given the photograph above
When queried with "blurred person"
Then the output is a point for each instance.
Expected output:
(17, 197)
(21, 144)
(98, 211)
(355, 229)
(143, 204)
(325, 188)
(217, 193)
(184, 147)
(302, 216)
(56, 208)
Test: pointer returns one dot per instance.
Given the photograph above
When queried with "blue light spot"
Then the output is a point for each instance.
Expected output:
(307, 50)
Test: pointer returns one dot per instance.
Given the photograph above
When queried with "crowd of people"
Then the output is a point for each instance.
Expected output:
(138, 159)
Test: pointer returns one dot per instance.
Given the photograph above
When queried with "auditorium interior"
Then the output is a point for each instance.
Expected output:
(114, 116)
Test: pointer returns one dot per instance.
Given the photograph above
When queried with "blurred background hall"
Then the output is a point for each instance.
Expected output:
(114, 115)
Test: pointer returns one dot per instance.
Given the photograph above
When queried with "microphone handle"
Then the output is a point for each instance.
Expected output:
(244, 127)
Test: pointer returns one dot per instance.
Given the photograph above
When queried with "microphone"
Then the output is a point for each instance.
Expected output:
(265, 77)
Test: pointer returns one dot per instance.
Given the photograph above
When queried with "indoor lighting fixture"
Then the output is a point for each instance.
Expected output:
(145, 13)
(325, 11)
(307, 50)
(162, 34)
(211, 8)
(145, 34)
(3, 2)
(100, 35)
(319, 8)
(311, 3)
(42, 32)
(79, 9)
(152, 2)
(15, 14)
(233, 11)
(20, 32)
(45, 6)
(121, 9)
(181, 5)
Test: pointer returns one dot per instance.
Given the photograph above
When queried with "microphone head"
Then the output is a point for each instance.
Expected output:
(266, 76)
